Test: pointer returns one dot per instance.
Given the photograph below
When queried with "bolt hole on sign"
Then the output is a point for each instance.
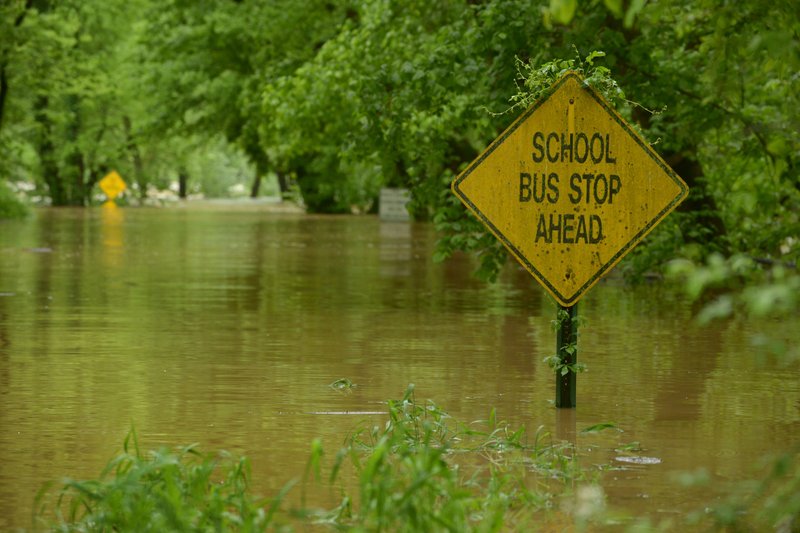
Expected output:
(570, 188)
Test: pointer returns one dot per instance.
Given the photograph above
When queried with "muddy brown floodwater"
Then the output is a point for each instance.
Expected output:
(225, 327)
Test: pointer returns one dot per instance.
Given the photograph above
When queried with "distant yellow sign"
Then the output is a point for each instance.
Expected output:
(112, 185)
(570, 188)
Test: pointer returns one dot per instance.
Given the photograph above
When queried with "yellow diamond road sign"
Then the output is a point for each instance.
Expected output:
(569, 188)
(112, 185)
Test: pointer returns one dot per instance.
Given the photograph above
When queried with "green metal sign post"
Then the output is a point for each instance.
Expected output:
(567, 352)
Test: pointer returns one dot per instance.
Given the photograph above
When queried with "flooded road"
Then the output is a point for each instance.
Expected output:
(226, 327)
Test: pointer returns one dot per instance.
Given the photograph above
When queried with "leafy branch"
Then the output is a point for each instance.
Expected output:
(560, 362)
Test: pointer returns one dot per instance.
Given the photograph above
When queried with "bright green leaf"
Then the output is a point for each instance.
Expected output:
(633, 10)
(563, 11)
(615, 6)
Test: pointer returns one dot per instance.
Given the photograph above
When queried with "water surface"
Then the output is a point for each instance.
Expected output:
(225, 327)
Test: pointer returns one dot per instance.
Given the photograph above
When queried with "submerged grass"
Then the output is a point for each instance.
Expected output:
(421, 471)
(180, 490)
(424, 471)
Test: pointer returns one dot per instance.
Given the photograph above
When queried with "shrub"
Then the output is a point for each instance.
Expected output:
(164, 490)
(10, 205)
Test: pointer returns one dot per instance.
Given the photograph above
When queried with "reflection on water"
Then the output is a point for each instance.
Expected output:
(226, 328)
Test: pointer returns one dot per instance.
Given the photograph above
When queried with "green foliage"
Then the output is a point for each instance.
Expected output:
(564, 11)
(396, 86)
(777, 499)
(739, 285)
(421, 471)
(180, 490)
(771, 503)
(211, 61)
(461, 231)
(562, 362)
(340, 99)
(405, 482)
(218, 170)
(65, 72)
(537, 80)
(743, 288)
(693, 89)
(11, 206)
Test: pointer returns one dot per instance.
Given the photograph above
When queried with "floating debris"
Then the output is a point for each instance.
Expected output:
(343, 384)
(638, 460)
(348, 413)
(600, 427)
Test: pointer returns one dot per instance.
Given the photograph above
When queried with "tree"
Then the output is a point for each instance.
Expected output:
(404, 84)
(207, 61)
(60, 72)
(711, 97)
(12, 15)
(344, 98)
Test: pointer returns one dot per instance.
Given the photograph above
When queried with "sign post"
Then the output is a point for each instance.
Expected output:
(569, 189)
(567, 352)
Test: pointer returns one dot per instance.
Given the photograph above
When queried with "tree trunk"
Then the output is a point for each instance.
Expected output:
(262, 168)
(183, 180)
(136, 156)
(3, 91)
(46, 149)
(261, 162)
(283, 183)
(78, 194)
(256, 187)
(95, 175)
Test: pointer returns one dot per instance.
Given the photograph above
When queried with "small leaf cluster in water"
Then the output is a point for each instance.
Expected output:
(343, 385)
